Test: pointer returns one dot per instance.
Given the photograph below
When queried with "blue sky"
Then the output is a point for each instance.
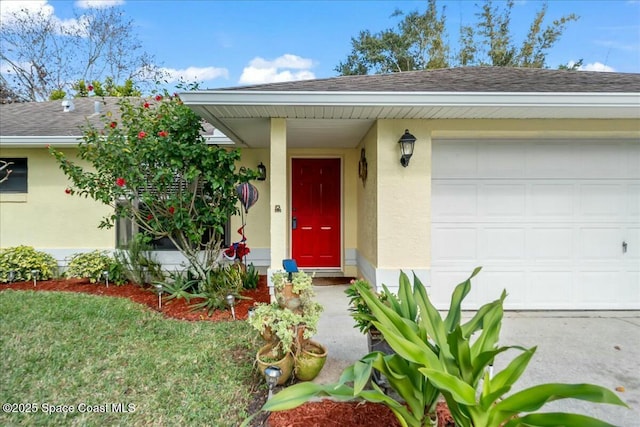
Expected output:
(231, 43)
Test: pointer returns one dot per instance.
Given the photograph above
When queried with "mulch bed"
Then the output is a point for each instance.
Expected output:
(176, 308)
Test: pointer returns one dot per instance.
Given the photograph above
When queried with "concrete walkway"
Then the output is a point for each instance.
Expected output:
(573, 347)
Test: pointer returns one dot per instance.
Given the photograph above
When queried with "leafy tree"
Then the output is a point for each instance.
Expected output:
(108, 88)
(494, 37)
(152, 164)
(46, 55)
(420, 41)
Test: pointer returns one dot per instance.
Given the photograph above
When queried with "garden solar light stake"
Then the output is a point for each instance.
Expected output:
(231, 301)
(272, 375)
(106, 277)
(34, 275)
(159, 288)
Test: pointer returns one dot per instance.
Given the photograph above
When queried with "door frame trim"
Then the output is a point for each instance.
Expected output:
(290, 204)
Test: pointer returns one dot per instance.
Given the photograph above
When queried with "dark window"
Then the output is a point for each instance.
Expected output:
(125, 229)
(14, 173)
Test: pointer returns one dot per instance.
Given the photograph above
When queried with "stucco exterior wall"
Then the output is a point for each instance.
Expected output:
(367, 205)
(257, 220)
(46, 217)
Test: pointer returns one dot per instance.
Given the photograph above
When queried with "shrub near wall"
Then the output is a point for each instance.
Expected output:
(92, 265)
(22, 260)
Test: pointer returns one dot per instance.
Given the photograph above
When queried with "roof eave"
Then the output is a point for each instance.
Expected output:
(449, 99)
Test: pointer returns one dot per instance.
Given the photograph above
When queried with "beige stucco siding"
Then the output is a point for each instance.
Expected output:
(368, 200)
(46, 217)
(404, 195)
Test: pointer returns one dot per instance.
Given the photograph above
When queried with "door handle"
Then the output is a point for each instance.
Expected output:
(294, 223)
(624, 247)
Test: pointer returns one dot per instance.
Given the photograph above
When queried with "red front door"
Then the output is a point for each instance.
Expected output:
(315, 212)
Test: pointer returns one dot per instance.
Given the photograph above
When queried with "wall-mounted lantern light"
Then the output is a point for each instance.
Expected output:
(406, 147)
(262, 172)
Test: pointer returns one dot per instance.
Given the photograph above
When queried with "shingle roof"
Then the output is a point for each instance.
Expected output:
(49, 119)
(467, 79)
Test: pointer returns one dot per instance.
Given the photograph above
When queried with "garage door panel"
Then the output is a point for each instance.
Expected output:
(457, 200)
(455, 243)
(605, 200)
(551, 235)
(552, 200)
(500, 200)
(458, 160)
(501, 159)
(501, 244)
(548, 159)
(551, 243)
(549, 289)
(633, 204)
(495, 281)
(599, 288)
(632, 239)
(599, 243)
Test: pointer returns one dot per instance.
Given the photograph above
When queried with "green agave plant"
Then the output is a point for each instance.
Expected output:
(451, 363)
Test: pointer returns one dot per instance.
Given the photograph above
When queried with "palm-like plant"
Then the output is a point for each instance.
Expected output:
(451, 360)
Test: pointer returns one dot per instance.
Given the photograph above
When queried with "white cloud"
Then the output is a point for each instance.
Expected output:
(98, 4)
(195, 74)
(8, 8)
(597, 66)
(284, 68)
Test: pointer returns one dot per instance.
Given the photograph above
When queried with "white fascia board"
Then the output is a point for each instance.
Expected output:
(410, 99)
(38, 141)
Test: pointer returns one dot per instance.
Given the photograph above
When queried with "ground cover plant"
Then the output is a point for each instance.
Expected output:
(62, 348)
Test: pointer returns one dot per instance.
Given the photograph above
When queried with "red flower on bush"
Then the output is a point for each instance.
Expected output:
(120, 182)
(149, 217)
(163, 133)
(146, 105)
(141, 134)
(112, 125)
(68, 191)
(171, 210)
(89, 88)
(158, 97)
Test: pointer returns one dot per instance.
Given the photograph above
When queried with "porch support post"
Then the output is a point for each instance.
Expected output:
(279, 207)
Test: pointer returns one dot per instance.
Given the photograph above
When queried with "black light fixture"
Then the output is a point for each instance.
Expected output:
(406, 146)
(262, 172)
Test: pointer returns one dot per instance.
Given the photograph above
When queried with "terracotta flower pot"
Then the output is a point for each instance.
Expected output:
(310, 361)
(265, 358)
(287, 298)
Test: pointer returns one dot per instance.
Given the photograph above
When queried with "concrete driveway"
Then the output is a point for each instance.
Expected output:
(599, 347)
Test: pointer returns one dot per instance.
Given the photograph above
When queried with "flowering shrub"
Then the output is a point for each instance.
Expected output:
(92, 265)
(21, 260)
(152, 164)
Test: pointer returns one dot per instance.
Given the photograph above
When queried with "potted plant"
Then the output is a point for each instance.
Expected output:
(363, 318)
(309, 361)
(288, 326)
(293, 293)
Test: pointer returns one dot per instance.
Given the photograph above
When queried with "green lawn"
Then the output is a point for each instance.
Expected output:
(100, 355)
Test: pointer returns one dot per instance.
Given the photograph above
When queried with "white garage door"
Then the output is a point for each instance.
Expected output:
(555, 223)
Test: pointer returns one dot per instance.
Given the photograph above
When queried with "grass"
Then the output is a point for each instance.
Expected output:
(72, 349)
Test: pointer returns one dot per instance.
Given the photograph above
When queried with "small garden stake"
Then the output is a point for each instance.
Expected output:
(272, 375)
(159, 288)
(106, 277)
(34, 275)
(231, 301)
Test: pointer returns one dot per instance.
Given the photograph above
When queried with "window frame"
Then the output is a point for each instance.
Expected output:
(19, 172)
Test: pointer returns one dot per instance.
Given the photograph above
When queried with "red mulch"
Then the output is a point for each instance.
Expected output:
(175, 308)
(325, 413)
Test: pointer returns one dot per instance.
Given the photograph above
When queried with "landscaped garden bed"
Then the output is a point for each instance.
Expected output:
(324, 413)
